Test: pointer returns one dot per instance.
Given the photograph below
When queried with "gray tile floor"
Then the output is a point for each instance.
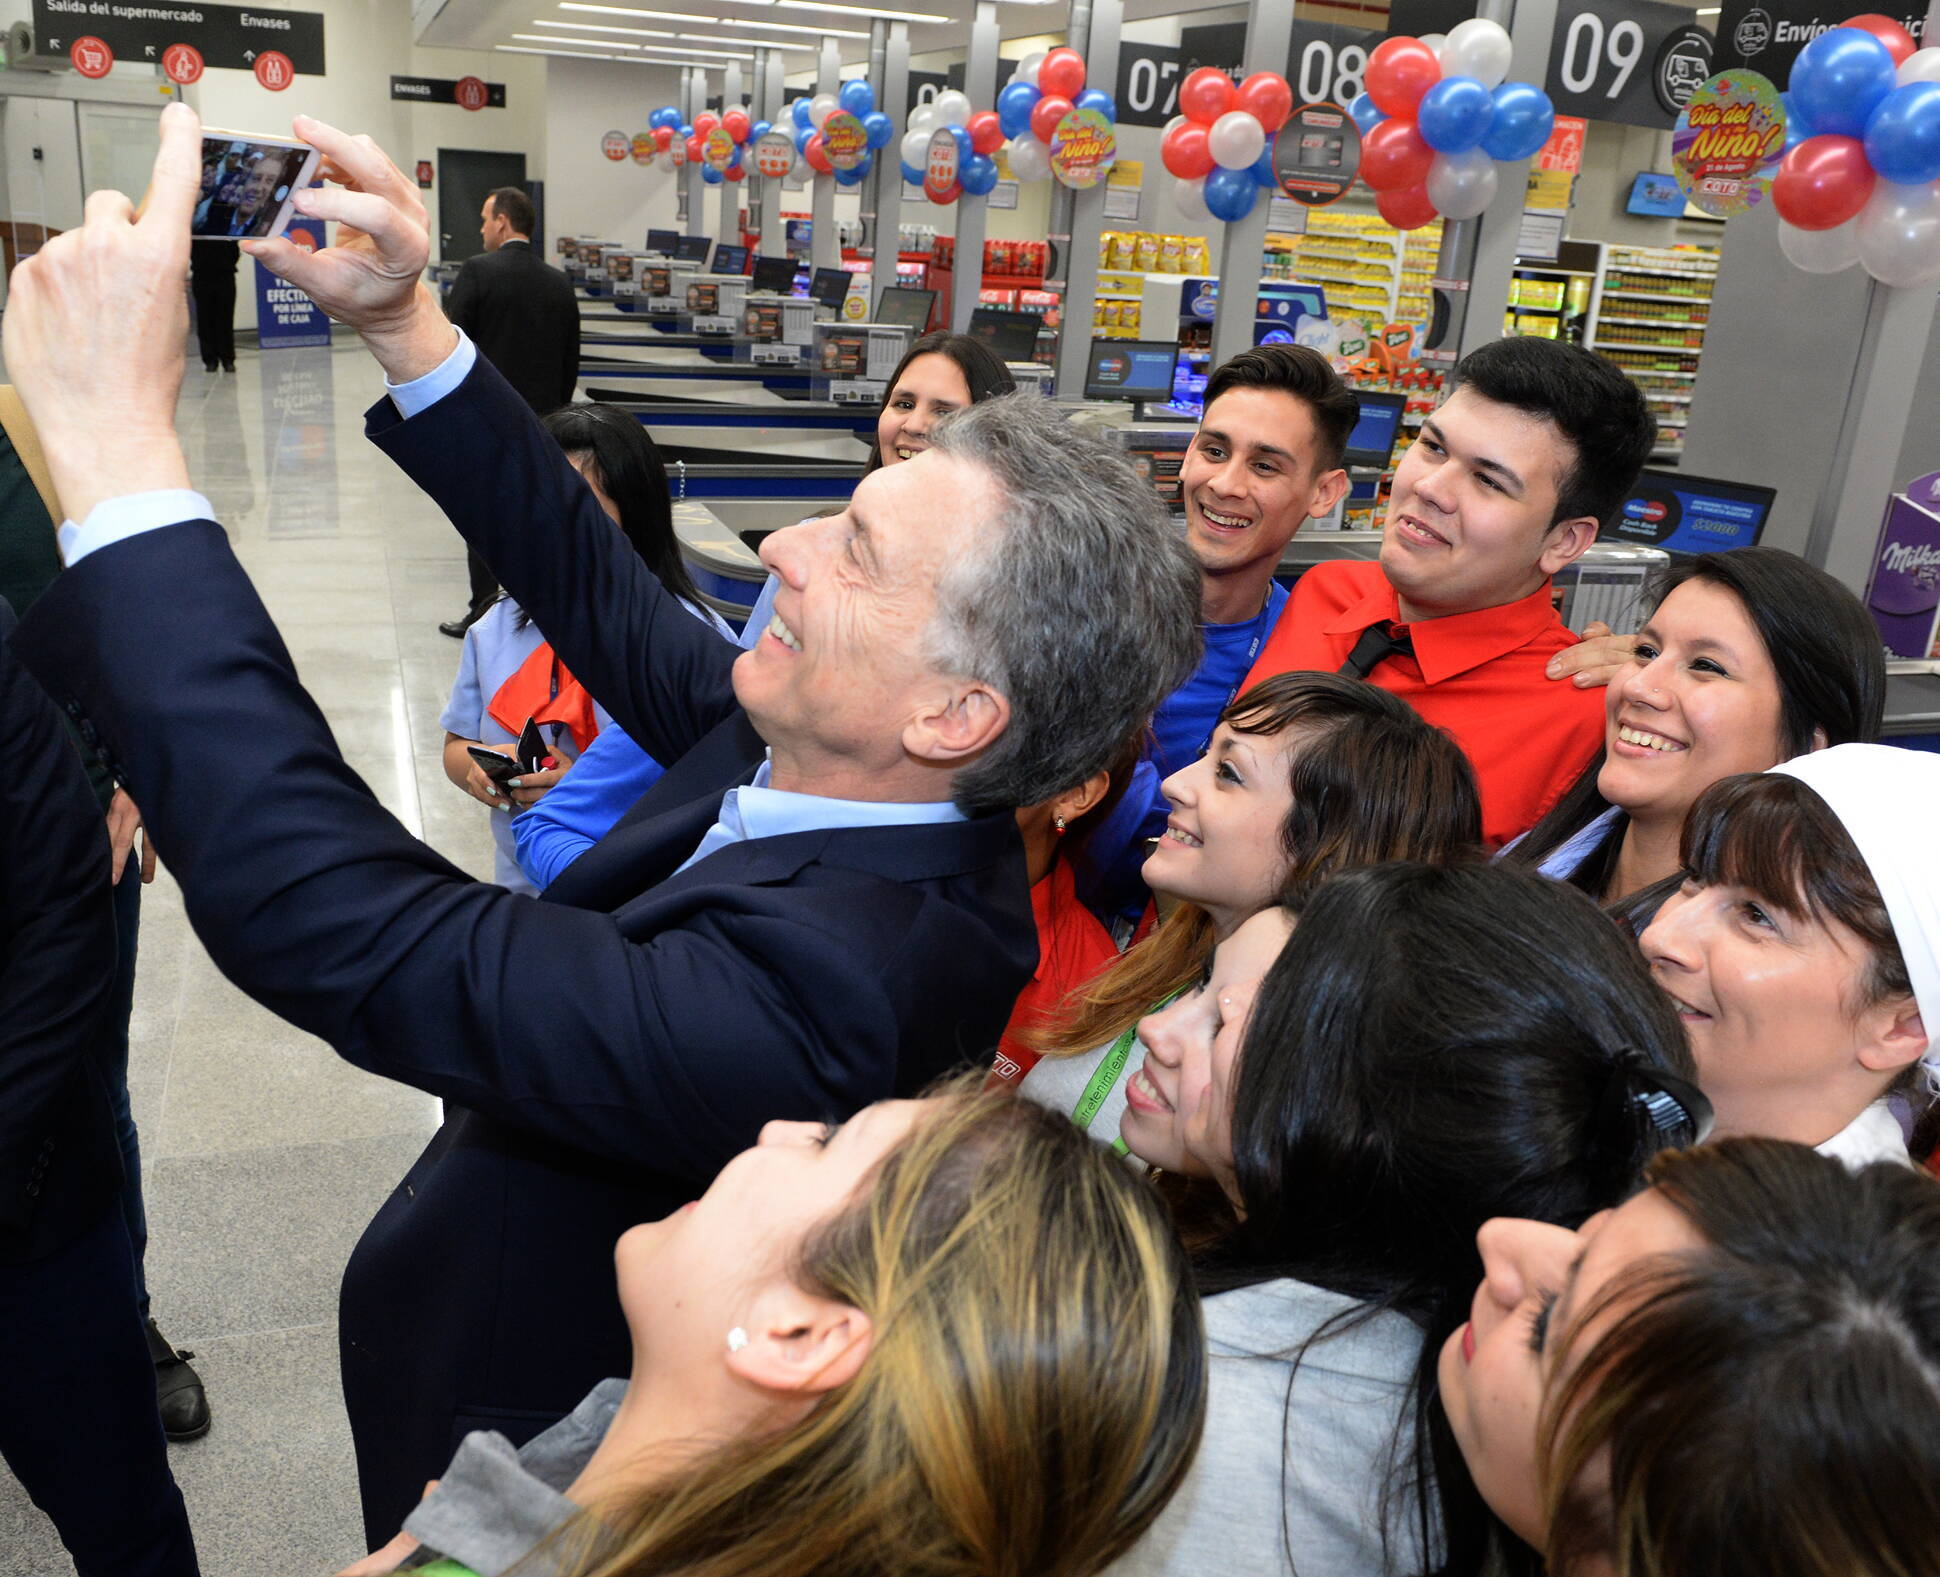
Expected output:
(265, 1154)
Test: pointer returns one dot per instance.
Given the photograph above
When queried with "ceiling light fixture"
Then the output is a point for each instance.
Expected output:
(862, 10)
(753, 43)
(602, 27)
(563, 54)
(787, 27)
(577, 43)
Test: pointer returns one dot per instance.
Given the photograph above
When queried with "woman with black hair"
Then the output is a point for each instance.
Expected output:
(1748, 659)
(508, 673)
(1433, 1047)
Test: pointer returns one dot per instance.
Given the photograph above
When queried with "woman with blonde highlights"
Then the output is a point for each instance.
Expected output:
(948, 1337)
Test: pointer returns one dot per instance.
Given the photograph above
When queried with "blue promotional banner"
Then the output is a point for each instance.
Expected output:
(285, 316)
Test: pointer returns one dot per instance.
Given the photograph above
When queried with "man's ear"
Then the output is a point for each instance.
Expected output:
(801, 1344)
(1327, 493)
(1896, 1036)
(957, 723)
(1567, 542)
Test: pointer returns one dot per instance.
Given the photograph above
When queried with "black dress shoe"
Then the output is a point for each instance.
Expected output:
(229, 364)
(456, 628)
(178, 1390)
(208, 364)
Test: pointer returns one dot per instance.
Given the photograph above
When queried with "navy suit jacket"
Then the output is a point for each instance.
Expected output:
(604, 1061)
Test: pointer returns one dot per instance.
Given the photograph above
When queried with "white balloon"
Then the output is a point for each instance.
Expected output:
(1461, 185)
(1899, 234)
(916, 149)
(1236, 140)
(1477, 48)
(952, 107)
(1820, 251)
(1027, 67)
(1923, 65)
(1435, 41)
(801, 170)
(1190, 198)
(1030, 160)
(1177, 120)
(821, 107)
(923, 119)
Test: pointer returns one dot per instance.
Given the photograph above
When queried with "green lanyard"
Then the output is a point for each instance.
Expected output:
(1105, 1075)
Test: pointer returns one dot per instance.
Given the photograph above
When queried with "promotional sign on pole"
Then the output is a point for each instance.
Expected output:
(1904, 594)
(1317, 154)
(1728, 143)
(717, 149)
(1551, 185)
(774, 154)
(676, 152)
(844, 140)
(616, 145)
(940, 169)
(643, 148)
(1083, 149)
(285, 316)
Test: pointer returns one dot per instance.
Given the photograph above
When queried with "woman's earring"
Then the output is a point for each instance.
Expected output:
(1058, 824)
(737, 1339)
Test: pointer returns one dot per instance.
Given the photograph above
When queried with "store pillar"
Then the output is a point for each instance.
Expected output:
(729, 229)
(1077, 218)
(882, 188)
(980, 82)
(772, 98)
(1269, 38)
(825, 251)
(693, 99)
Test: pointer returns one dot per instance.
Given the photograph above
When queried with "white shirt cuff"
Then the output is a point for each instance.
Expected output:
(129, 515)
(422, 393)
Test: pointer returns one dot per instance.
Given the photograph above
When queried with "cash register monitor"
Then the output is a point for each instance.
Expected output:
(1692, 514)
(1372, 441)
(774, 276)
(1131, 369)
(663, 241)
(829, 288)
(730, 259)
(899, 308)
(1012, 335)
(693, 249)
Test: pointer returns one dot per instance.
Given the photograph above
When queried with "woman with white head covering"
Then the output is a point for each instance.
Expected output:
(1803, 950)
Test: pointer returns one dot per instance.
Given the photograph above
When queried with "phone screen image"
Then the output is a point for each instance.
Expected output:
(247, 184)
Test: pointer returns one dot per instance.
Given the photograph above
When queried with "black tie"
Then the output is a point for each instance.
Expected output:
(1375, 644)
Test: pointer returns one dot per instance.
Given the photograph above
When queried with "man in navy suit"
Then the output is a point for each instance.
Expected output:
(821, 904)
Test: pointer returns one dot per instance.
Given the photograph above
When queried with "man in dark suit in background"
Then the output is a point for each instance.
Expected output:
(522, 315)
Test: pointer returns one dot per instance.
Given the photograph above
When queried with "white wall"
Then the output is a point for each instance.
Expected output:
(588, 194)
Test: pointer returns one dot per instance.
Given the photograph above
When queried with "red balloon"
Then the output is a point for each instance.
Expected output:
(1267, 98)
(1394, 156)
(1398, 72)
(817, 155)
(986, 130)
(1051, 109)
(1823, 182)
(734, 172)
(1061, 74)
(737, 124)
(694, 147)
(662, 136)
(1408, 209)
(1184, 151)
(949, 196)
(1899, 43)
(705, 122)
(1205, 95)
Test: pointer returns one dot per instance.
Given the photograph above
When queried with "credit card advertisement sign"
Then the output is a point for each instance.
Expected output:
(1692, 515)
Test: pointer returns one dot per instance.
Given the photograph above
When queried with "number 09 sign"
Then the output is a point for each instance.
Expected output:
(1633, 61)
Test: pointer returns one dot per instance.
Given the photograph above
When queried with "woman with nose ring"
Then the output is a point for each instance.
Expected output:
(1748, 659)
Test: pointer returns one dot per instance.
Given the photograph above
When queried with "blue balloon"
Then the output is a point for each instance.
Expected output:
(1014, 106)
(670, 118)
(865, 165)
(799, 109)
(1454, 114)
(1263, 169)
(912, 176)
(1796, 130)
(977, 174)
(1364, 114)
(879, 127)
(802, 134)
(712, 176)
(847, 177)
(1230, 193)
(1522, 122)
(684, 131)
(857, 97)
(965, 147)
(1903, 136)
(1839, 79)
(760, 129)
(1096, 99)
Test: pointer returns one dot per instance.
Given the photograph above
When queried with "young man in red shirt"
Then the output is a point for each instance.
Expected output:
(1508, 482)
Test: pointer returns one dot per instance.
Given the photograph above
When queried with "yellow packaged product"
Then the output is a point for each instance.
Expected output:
(1107, 239)
(1172, 254)
(1198, 255)
(1145, 253)
(1122, 249)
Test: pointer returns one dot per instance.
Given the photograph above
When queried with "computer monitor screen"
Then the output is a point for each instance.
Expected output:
(1656, 196)
(829, 287)
(1012, 335)
(663, 241)
(693, 249)
(905, 309)
(774, 276)
(1372, 440)
(1692, 514)
(730, 259)
(1121, 369)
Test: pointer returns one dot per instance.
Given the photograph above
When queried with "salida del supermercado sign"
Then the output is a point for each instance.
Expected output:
(227, 35)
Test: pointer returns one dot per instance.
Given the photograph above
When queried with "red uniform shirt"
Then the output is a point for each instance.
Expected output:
(1477, 675)
(1071, 947)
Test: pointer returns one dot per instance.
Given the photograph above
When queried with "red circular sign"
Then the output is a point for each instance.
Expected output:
(275, 70)
(91, 57)
(940, 171)
(472, 93)
(616, 145)
(182, 62)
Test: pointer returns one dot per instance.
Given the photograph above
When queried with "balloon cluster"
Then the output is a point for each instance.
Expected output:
(1219, 150)
(816, 140)
(1858, 180)
(1437, 118)
(666, 125)
(1049, 85)
(977, 136)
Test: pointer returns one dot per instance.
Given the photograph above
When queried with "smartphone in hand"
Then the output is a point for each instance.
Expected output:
(496, 765)
(248, 183)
